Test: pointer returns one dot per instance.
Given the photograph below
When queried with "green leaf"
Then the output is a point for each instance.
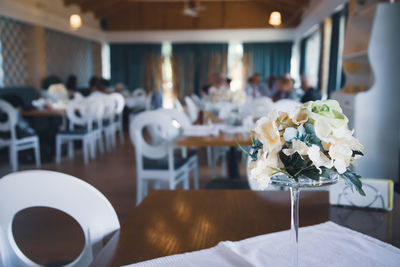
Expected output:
(311, 173)
(310, 137)
(353, 179)
(327, 173)
(297, 161)
(357, 153)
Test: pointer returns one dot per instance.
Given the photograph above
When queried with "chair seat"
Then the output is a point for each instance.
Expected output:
(74, 132)
(162, 164)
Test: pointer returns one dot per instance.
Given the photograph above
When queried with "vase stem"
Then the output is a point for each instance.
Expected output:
(294, 225)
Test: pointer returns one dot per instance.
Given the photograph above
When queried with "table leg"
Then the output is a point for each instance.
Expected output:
(233, 163)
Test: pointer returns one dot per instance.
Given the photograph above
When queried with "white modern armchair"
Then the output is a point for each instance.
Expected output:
(69, 194)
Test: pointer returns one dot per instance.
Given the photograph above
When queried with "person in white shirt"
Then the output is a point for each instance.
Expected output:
(253, 88)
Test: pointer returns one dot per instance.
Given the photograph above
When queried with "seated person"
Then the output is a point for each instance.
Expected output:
(72, 84)
(284, 88)
(310, 93)
(269, 88)
(96, 85)
(253, 89)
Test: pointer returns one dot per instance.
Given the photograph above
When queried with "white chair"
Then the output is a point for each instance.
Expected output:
(86, 134)
(192, 109)
(149, 102)
(119, 108)
(178, 105)
(156, 162)
(80, 200)
(15, 143)
(109, 127)
(183, 121)
(139, 92)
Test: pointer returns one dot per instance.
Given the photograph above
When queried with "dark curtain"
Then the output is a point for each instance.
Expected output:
(193, 63)
(302, 68)
(335, 74)
(136, 65)
(267, 58)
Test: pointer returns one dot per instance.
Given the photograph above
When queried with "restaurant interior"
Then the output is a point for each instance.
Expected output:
(199, 133)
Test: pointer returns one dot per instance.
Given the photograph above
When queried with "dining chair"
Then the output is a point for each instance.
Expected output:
(15, 141)
(156, 161)
(109, 127)
(149, 102)
(139, 92)
(183, 121)
(178, 105)
(39, 188)
(79, 115)
(192, 109)
(119, 108)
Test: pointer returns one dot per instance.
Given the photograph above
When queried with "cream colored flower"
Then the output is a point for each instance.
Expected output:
(297, 146)
(263, 168)
(318, 158)
(341, 154)
(298, 115)
(267, 132)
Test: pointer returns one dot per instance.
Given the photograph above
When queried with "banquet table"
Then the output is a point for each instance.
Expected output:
(173, 222)
(43, 112)
(223, 139)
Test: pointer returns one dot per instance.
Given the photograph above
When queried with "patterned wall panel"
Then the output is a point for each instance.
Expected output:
(12, 52)
(66, 54)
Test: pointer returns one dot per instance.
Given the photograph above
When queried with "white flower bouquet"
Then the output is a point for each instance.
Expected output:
(312, 141)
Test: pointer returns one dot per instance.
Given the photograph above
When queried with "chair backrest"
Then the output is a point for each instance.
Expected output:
(119, 101)
(149, 101)
(11, 122)
(178, 105)
(74, 117)
(139, 92)
(155, 150)
(180, 117)
(192, 109)
(39, 188)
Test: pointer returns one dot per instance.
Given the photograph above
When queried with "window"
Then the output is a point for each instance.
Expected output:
(235, 65)
(312, 58)
(168, 96)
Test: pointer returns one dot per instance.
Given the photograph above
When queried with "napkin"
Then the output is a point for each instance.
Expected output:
(326, 244)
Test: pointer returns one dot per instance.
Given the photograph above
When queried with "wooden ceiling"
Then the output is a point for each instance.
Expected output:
(123, 15)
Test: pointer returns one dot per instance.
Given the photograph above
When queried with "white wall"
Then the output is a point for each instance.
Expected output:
(206, 36)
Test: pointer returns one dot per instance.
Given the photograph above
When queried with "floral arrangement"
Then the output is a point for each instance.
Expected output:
(311, 141)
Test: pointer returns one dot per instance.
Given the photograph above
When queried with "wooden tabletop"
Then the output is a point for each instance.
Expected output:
(222, 139)
(43, 112)
(172, 222)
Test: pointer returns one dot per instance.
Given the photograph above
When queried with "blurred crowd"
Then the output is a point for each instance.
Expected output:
(276, 88)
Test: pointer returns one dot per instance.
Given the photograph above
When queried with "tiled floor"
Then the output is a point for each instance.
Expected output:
(46, 235)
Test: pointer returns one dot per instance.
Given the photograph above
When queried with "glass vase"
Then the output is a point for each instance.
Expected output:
(295, 186)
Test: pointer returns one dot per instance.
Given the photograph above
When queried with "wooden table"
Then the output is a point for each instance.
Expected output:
(43, 113)
(223, 139)
(172, 222)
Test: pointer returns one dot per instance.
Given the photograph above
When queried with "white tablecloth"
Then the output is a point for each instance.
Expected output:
(326, 244)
